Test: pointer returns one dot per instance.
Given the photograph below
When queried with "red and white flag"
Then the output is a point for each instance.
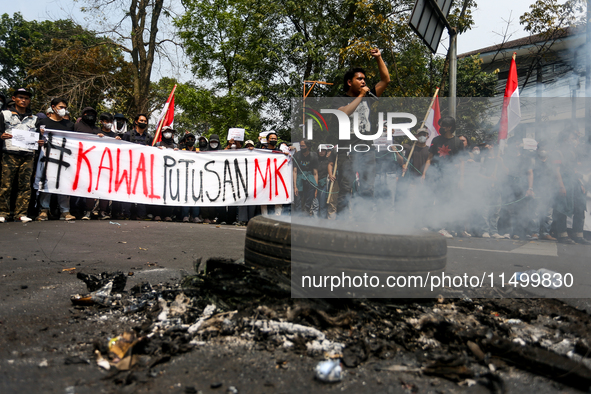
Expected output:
(511, 114)
(432, 122)
(166, 117)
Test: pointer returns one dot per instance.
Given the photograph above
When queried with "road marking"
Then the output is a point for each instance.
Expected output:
(535, 248)
(538, 248)
(479, 250)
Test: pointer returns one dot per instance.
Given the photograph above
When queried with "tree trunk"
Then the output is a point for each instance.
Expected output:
(142, 52)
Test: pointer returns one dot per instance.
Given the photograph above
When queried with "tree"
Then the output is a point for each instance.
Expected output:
(269, 48)
(61, 58)
(549, 19)
(85, 75)
(135, 32)
(19, 38)
(201, 111)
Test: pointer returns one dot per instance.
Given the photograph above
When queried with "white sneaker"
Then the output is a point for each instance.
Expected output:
(25, 219)
(2, 219)
(465, 234)
(445, 233)
(485, 235)
(507, 236)
(498, 236)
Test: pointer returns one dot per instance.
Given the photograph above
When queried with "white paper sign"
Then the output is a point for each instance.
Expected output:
(263, 136)
(530, 144)
(85, 165)
(26, 139)
(236, 134)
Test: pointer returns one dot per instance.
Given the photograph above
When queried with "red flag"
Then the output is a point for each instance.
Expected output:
(511, 114)
(166, 117)
(432, 122)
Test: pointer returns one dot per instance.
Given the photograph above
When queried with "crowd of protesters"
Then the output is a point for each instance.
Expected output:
(446, 185)
(459, 189)
(19, 201)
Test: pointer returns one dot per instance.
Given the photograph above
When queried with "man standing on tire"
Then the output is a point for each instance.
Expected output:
(355, 102)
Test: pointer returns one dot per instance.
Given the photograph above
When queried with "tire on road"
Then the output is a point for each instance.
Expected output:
(273, 243)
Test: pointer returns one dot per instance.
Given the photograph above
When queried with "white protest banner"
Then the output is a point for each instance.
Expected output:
(25, 138)
(86, 165)
(236, 134)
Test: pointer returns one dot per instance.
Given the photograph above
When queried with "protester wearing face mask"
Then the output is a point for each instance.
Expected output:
(17, 163)
(187, 142)
(87, 123)
(106, 123)
(232, 144)
(167, 141)
(55, 121)
(120, 124)
(95, 207)
(272, 141)
(570, 200)
(189, 213)
(214, 142)
(209, 214)
(137, 135)
(305, 179)
(545, 189)
(271, 144)
(203, 144)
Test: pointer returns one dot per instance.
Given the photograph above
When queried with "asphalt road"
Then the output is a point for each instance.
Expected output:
(36, 284)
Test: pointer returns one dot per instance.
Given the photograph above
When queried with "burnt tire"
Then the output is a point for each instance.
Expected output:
(273, 243)
(268, 243)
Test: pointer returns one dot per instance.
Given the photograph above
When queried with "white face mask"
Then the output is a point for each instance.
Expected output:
(214, 145)
(422, 139)
(61, 112)
(233, 146)
(108, 126)
(167, 135)
(476, 152)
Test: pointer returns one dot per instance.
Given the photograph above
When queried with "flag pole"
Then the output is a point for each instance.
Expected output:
(159, 128)
(422, 125)
(334, 174)
(501, 148)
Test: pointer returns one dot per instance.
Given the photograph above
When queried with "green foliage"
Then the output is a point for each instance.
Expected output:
(264, 50)
(546, 16)
(62, 59)
(201, 112)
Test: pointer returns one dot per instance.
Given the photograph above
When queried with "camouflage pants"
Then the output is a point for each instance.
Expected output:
(20, 168)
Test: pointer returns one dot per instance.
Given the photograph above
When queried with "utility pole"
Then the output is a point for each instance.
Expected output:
(588, 75)
(453, 70)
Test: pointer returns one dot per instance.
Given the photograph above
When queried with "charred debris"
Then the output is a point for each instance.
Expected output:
(464, 340)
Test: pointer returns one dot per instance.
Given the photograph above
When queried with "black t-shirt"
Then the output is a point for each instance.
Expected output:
(82, 127)
(366, 120)
(50, 124)
(418, 160)
(323, 166)
(109, 133)
(306, 163)
(142, 139)
(545, 175)
(444, 150)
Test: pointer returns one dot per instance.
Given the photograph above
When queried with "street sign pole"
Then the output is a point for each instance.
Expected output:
(428, 19)
(453, 71)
